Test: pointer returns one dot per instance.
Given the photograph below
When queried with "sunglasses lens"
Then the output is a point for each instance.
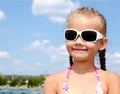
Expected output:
(70, 34)
(89, 36)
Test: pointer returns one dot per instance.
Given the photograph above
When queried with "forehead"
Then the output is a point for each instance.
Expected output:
(83, 22)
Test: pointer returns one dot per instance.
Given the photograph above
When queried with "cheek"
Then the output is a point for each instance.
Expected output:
(93, 48)
(69, 46)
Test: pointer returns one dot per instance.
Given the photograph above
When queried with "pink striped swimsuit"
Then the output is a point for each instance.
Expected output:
(99, 88)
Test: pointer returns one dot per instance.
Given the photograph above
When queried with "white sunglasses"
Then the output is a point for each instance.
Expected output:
(87, 35)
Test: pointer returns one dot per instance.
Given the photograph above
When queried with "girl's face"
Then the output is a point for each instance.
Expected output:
(79, 49)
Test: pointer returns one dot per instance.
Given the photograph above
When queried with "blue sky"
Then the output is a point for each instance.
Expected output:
(32, 34)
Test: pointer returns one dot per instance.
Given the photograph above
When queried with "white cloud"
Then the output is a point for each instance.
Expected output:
(44, 46)
(116, 55)
(57, 54)
(39, 45)
(45, 41)
(38, 64)
(113, 57)
(38, 34)
(4, 54)
(19, 62)
(54, 10)
(35, 44)
(57, 19)
(113, 62)
(2, 15)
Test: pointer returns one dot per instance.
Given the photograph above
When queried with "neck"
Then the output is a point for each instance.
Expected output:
(83, 67)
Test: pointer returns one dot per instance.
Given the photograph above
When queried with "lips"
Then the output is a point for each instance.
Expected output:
(79, 49)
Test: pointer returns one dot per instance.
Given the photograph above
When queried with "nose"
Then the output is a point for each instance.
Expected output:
(79, 40)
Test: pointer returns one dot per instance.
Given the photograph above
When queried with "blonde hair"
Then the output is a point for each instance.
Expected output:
(87, 11)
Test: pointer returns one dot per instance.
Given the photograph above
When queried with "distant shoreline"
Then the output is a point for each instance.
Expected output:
(24, 86)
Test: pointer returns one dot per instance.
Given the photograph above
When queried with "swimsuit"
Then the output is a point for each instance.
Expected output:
(99, 88)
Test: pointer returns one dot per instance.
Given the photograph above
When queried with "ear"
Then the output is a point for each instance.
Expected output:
(103, 43)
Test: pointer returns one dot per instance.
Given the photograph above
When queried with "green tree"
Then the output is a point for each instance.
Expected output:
(36, 81)
(14, 81)
(23, 81)
(3, 80)
(41, 80)
(33, 82)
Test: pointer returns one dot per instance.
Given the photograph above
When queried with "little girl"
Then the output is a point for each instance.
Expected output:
(85, 37)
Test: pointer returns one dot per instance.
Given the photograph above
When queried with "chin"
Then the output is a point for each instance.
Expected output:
(80, 57)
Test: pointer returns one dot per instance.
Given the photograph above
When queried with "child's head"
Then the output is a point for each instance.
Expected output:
(90, 12)
(96, 21)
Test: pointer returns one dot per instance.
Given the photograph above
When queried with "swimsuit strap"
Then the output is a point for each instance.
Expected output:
(99, 87)
(65, 86)
(68, 73)
(97, 73)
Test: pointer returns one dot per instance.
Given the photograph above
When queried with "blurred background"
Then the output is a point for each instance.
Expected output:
(32, 34)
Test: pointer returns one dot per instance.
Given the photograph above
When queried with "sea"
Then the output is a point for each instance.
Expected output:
(21, 91)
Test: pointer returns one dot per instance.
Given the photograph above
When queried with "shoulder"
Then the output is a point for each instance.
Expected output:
(51, 82)
(110, 76)
(113, 82)
(54, 77)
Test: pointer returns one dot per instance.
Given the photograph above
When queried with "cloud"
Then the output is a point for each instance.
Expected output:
(4, 54)
(57, 19)
(18, 62)
(113, 62)
(54, 10)
(45, 46)
(116, 55)
(38, 64)
(39, 45)
(38, 34)
(57, 54)
(2, 15)
(113, 57)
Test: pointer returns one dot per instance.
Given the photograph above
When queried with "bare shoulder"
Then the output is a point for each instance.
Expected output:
(113, 82)
(111, 76)
(54, 77)
(51, 83)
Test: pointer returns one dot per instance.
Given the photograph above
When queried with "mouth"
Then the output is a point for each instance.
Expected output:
(79, 49)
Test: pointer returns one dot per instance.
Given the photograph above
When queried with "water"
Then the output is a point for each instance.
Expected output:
(20, 91)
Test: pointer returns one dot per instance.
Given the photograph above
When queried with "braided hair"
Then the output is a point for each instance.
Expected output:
(70, 60)
(102, 59)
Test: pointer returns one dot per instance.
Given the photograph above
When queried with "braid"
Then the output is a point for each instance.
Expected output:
(102, 59)
(70, 60)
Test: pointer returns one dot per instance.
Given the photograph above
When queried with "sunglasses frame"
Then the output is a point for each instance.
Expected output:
(99, 35)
